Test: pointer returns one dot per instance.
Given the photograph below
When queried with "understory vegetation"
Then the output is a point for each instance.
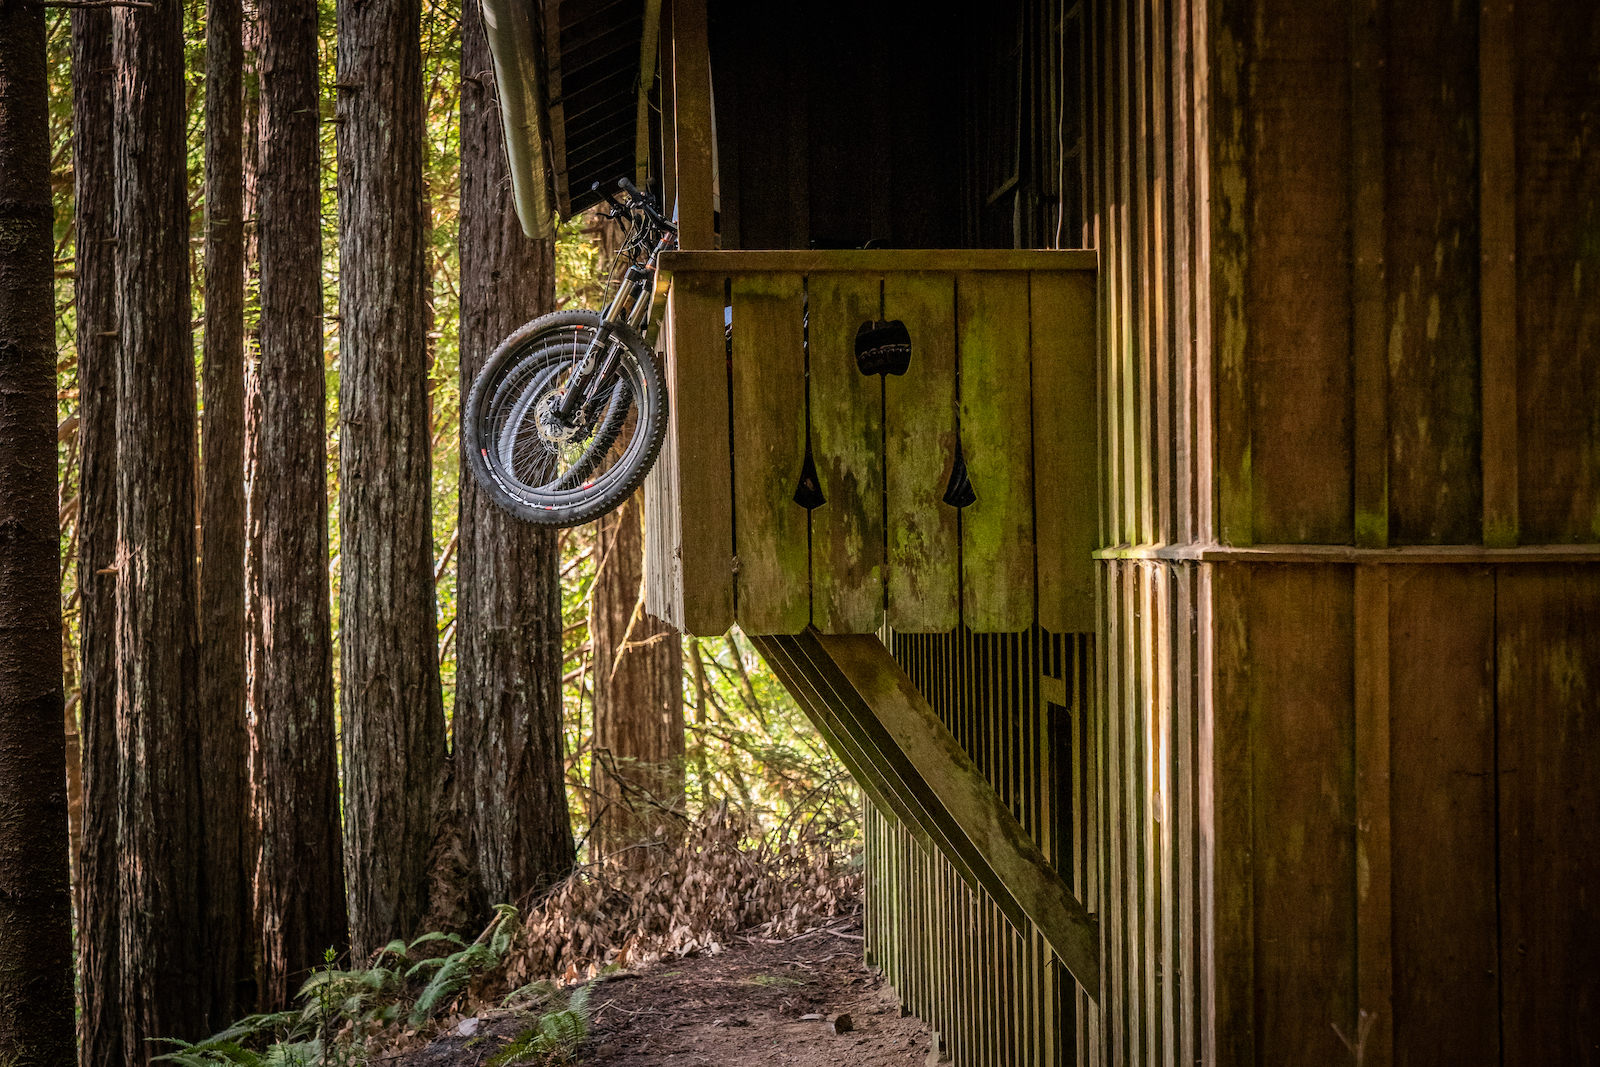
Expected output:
(702, 883)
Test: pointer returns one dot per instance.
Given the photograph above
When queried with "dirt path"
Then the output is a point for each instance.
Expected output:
(752, 1005)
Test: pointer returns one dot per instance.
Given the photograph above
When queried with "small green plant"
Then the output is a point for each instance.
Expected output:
(553, 1039)
(340, 1008)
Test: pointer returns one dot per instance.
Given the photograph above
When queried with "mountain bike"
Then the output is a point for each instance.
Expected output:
(567, 416)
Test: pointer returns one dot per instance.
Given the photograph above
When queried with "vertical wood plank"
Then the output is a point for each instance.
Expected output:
(1303, 783)
(1368, 291)
(1230, 182)
(1375, 1018)
(1431, 265)
(1446, 966)
(996, 441)
(1548, 688)
(847, 437)
(1557, 51)
(769, 444)
(1497, 240)
(1227, 817)
(1296, 305)
(920, 448)
(663, 532)
(692, 125)
(1064, 452)
(698, 382)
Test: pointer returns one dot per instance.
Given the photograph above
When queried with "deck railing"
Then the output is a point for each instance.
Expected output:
(762, 372)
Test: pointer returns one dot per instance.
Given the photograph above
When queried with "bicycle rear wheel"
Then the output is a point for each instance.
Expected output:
(557, 473)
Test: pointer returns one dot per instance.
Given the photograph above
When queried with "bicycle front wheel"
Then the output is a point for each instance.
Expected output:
(563, 472)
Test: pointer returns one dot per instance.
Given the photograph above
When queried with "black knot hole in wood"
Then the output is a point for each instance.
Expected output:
(883, 347)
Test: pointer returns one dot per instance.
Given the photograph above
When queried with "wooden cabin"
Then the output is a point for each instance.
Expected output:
(1246, 710)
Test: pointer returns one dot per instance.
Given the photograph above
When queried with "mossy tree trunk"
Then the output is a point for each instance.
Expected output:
(508, 759)
(165, 964)
(393, 719)
(93, 163)
(300, 883)
(35, 897)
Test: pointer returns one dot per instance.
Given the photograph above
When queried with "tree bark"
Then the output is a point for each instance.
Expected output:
(93, 90)
(165, 968)
(300, 884)
(224, 744)
(508, 759)
(638, 694)
(36, 1009)
(393, 719)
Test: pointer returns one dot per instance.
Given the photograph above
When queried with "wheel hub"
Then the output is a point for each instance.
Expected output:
(552, 427)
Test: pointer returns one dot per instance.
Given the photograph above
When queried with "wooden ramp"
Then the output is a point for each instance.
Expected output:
(908, 763)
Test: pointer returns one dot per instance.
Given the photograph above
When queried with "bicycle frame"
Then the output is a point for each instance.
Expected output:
(651, 234)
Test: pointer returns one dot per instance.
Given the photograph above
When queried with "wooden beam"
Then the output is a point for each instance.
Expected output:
(882, 260)
(907, 749)
(691, 80)
(649, 46)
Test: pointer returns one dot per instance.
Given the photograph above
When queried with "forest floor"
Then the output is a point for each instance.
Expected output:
(805, 1002)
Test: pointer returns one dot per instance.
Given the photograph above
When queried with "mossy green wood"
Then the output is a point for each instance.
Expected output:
(847, 542)
(699, 382)
(919, 451)
(769, 443)
(1064, 435)
(997, 443)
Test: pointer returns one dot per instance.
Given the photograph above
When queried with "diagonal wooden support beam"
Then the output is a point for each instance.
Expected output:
(901, 753)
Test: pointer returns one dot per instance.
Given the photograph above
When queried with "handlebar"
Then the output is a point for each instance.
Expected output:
(646, 204)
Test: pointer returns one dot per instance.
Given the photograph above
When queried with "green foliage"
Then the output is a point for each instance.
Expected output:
(553, 1039)
(338, 1007)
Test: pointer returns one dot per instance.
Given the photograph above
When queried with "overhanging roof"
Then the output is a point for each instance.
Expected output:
(570, 74)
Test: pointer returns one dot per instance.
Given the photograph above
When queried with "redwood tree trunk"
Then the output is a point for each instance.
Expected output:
(35, 896)
(300, 884)
(224, 738)
(393, 720)
(508, 760)
(638, 693)
(166, 969)
(93, 90)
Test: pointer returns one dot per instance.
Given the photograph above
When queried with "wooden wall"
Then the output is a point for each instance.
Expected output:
(1022, 707)
(1350, 415)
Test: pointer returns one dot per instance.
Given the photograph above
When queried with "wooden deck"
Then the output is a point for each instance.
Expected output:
(761, 367)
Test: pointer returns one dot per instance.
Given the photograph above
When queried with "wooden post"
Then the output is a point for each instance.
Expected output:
(691, 80)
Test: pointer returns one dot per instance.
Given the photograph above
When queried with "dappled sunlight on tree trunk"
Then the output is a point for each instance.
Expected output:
(638, 697)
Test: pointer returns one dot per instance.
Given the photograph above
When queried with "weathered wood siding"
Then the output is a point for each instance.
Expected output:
(1022, 706)
(1349, 582)
(1001, 374)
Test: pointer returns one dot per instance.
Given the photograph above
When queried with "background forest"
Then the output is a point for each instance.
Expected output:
(696, 797)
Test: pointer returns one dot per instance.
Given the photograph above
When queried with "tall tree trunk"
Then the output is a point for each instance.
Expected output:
(301, 880)
(35, 896)
(224, 741)
(393, 719)
(160, 827)
(508, 760)
(638, 693)
(93, 89)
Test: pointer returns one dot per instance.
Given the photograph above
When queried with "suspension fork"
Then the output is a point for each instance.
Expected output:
(639, 284)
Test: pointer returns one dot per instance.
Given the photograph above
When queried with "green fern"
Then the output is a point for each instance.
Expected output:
(554, 1038)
